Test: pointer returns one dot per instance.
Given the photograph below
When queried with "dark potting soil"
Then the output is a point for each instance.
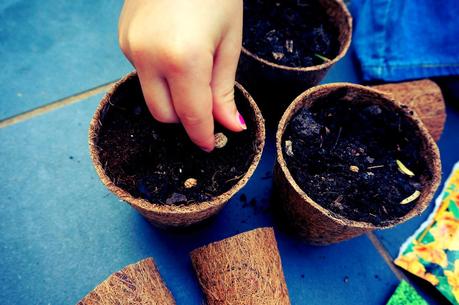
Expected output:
(295, 33)
(153, 160)
(344, 156)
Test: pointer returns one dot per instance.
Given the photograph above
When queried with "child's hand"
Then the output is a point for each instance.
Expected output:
(186, 53)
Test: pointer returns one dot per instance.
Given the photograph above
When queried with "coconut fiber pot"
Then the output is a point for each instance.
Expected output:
(321, 226)
(242, 270)
(120, 97)
(136, 284)
(274, 85)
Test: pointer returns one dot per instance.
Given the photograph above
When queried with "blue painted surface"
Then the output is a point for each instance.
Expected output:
(63, 232)
(343, 71)
(52, 49)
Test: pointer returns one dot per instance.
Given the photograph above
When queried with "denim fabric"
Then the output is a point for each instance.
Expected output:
(397, 40)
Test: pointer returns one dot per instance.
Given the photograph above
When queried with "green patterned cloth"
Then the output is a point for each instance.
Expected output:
(406, 295)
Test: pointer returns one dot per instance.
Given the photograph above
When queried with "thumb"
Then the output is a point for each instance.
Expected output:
(223, 76)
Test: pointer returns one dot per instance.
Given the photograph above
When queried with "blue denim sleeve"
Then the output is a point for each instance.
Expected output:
(397, 40)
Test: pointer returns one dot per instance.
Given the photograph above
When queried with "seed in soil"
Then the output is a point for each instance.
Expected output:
(190, 182)
(403, 169)
(278, 55)
(411, 198)
(354, 168)
(220, 140)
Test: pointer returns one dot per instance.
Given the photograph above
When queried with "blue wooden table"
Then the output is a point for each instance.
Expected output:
(62, 232)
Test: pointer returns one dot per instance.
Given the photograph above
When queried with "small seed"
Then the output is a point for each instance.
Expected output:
(190, 182)
(411, 198)
(289, 148)
(278, 55)
(220, 140)
(354, 168)
(403, 169)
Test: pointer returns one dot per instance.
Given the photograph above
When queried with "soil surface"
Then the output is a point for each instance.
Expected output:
(153, 160)
(295, 33)
(344, 157)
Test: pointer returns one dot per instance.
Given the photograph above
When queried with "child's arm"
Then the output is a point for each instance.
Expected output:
(185, 53)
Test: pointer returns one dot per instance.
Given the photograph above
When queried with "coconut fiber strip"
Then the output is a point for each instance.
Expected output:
(425, 97)
(242, 270)
(136, 284)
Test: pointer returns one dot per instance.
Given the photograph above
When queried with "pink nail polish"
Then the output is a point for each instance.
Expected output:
(241, 121)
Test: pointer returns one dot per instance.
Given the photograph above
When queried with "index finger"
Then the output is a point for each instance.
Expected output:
(192, 99)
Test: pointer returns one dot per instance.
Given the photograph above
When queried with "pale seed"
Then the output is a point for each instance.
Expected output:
(220, 140)
(354, 168)
(278, 55)
(411, 198)
(190, 182)
(403, 169)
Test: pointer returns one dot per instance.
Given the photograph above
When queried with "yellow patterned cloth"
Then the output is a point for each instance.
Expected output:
(432, 253)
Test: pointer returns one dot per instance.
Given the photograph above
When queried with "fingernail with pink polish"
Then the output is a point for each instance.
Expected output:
(241, 121)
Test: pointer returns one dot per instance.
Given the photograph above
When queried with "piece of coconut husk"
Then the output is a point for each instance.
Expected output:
(167, 215)
(313, 222)
(425, 97)
(136, 284)
(242, 270)
(273, 85)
